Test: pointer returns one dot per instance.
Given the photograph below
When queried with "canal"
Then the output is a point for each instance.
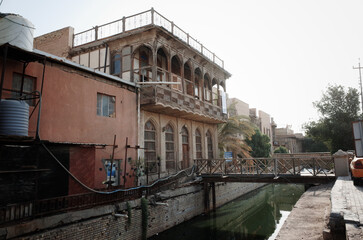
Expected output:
(257, 215)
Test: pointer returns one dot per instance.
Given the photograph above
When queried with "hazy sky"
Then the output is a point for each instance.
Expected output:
(282, 54)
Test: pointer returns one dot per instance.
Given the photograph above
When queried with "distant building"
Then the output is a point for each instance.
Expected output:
(262, 120)
(287, 138)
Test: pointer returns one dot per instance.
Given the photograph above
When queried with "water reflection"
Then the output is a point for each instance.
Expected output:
(253, 216)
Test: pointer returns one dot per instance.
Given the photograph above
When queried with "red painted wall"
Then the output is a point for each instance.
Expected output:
(69, 114)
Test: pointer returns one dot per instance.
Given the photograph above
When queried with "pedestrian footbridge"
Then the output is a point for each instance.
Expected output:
(281, 168)
(307, 168)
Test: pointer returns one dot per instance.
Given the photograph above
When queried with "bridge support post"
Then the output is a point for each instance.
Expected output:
(206, 198)
(207, 188)
(213, 184)
(341, 163)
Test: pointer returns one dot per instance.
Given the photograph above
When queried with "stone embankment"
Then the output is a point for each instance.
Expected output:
(127, 220)
(327, 212)
(310, 215)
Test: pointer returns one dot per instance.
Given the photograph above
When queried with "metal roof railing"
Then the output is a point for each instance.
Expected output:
(150, 17)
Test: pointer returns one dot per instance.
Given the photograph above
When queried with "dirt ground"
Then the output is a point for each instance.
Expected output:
(310, 215)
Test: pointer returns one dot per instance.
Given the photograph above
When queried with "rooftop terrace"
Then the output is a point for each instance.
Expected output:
(147, 18)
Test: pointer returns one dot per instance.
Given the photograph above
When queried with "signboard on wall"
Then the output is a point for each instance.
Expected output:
(358, 137)
(224, 102)
(112, 173)
(228, 156)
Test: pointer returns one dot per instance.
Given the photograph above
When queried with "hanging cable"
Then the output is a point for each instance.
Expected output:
(118, 190)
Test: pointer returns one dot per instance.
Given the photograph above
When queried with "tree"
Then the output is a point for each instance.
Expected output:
(311, 145)
(260, 144)
(232, 133)
(338, 109)
(281, 149)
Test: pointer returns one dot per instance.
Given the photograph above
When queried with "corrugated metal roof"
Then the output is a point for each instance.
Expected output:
(84, 68)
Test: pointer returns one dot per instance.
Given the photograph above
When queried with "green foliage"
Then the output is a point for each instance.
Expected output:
(338, 108)
(260, 145)
(231, 134)
(281, 149)
(311, 145)
(144, 217)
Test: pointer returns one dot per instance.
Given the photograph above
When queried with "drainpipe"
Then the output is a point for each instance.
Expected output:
(3, 70)
(104, 69)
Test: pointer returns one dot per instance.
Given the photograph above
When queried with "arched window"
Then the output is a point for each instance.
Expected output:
(197, 82)
(126, 63)
(198, 144)
(215, 92)
(188, 79)
(176, 73)
(185, 147)
(116, 65)
(169, 147)
(162, 66)
(150, 145)
(142, 66)
(209, 145)
(207, 88)
(185, 135)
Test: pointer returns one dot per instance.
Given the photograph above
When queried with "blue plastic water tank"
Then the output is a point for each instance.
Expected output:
(14, 117)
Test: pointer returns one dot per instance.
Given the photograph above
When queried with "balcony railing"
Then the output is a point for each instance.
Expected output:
(150, 17)
(179, 100)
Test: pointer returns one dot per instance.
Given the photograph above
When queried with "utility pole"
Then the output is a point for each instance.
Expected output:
(360, 82)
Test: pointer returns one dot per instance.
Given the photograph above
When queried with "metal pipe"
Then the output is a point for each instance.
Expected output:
(120, 215)
(3, 70)
(162, 204)
(112, 156)
(104, 69)
(37, 137)
(41, 88)
(158, 83)
(22, 80)
(127, 139)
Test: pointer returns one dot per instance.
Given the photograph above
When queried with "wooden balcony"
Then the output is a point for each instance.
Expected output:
(164, 100)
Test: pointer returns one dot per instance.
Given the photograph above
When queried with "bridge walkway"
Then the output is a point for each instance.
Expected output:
(307, 169)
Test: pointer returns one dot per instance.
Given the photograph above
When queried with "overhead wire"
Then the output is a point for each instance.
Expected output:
(118, 190)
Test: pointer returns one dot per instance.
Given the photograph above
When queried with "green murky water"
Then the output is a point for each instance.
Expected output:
(257, 215)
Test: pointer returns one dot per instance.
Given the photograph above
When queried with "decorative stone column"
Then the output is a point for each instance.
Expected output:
(341, 163)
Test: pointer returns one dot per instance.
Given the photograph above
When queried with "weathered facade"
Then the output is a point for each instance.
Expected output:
(72, 120)
(182, 84)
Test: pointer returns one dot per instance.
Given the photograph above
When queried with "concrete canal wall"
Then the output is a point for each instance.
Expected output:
(165, 210)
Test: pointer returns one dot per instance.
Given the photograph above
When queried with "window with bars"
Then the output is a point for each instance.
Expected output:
(116, 65)
(106, 105)
(150, 145)
(198, 144)
(169, 147)
(28, 87)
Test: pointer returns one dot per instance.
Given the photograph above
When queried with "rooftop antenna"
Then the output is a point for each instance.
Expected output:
(360, 81)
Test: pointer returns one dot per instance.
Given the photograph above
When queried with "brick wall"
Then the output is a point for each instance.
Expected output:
(58, 42)
(99, 223)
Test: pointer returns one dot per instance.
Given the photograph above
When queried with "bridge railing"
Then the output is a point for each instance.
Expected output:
(302, 166)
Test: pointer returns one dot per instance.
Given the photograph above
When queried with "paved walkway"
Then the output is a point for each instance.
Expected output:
(347, 200)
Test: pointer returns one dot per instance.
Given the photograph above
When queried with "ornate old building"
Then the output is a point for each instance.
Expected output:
(182, 84)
